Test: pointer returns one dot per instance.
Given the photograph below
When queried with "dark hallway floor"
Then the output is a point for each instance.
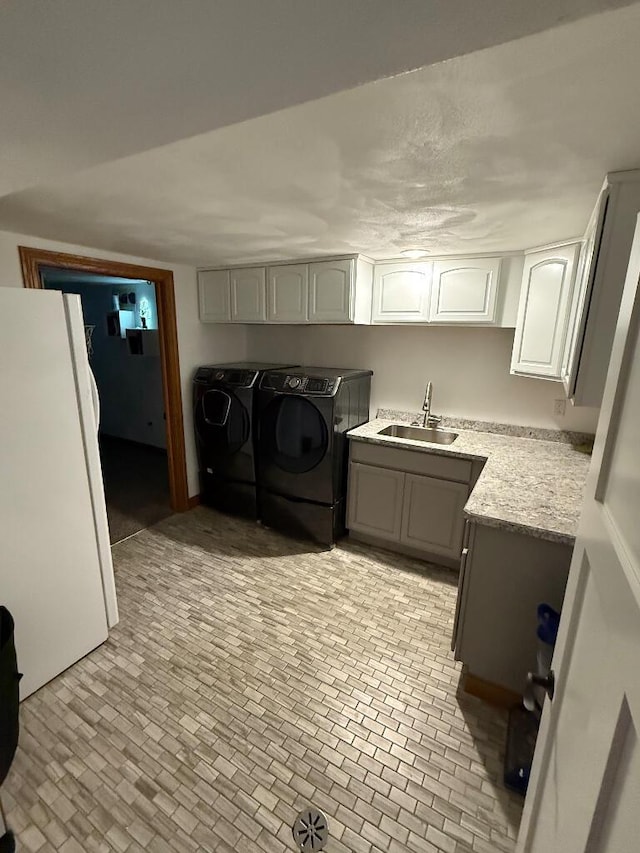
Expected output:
(136, 485)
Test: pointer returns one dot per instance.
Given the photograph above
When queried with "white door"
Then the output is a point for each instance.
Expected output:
(432, 515)
(375, 501)
(248, 295)
(584, 793)
(214, 296)
(288, 293)
(465, 291)
(543, 313)
(401, 292)
(50, 569)
(331, 291)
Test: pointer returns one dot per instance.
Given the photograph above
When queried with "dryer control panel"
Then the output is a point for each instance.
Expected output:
(310, 386)
(229, 376)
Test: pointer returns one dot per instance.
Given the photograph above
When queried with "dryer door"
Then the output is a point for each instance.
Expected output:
(223, 428)
(294, 441)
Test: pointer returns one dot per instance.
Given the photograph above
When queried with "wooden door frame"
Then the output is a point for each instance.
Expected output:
(32, 259)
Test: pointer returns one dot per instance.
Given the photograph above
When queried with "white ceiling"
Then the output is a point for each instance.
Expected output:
(501, 149)
(86, 81)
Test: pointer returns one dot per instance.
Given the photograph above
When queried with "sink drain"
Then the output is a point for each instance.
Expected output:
(310, 830)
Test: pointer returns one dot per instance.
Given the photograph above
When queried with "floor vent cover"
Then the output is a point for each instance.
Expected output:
(310, 830)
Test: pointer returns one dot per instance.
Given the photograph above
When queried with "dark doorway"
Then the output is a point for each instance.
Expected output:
(121, 330)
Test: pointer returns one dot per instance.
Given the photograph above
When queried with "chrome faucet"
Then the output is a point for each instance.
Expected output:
(429, 420)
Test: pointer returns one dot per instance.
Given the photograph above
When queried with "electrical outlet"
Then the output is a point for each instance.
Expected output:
(559, 407)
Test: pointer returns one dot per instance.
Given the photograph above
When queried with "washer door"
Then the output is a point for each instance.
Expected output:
(293, 434)
(221, 422)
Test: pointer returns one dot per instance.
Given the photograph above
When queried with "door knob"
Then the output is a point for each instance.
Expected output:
(546, 682)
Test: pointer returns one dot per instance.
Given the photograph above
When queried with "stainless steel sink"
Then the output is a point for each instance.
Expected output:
(431, 436)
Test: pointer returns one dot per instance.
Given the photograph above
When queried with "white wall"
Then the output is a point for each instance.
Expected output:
(468, 367)
(198, 343)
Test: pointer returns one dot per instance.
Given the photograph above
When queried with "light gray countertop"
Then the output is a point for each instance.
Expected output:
(527, 485)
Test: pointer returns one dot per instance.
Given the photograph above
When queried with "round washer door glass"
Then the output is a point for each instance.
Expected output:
(222, 422)
(293, 434)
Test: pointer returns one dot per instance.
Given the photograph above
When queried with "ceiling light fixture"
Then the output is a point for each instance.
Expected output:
(414, 253)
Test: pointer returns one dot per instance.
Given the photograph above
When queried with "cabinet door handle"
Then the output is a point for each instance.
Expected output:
(456, 618)
(548, 684)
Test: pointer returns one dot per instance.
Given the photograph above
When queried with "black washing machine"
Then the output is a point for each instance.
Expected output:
(303, 416)
(223, 417)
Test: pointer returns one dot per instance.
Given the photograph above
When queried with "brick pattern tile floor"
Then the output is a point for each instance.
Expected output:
(251, 675)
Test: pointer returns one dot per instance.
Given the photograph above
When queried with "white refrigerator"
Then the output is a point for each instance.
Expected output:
(56, 574)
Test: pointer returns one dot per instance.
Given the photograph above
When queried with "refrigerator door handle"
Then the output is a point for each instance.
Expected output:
(95, 399)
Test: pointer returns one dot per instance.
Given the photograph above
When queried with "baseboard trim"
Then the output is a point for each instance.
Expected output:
(405, 550)
(193, 501)
(492, 693)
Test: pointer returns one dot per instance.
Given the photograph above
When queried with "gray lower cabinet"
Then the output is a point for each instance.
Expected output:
(432, 514)
(375, 504)
(504, 576)
(423, 514)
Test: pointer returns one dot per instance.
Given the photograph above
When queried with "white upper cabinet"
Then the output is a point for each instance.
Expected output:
(543, 313)
(401, 292)
(465, 291)
(331, 291)
(582, 293)
(575, 329)
(214, 296)
(248, 295)
(288, 293)
(599, 286)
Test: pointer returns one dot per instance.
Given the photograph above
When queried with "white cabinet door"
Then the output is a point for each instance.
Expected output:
(582, 294)
(543, 314)
(375, 501)
(288, 293)
(214, 296)
(465, 291)
(432, 515)
(248, 295)
(401, 293)
(331, 291)
(578, 297)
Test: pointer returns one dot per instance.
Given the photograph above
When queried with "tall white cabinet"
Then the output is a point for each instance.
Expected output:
(569, 307)
(541, 328)
(594, 314)
(581, 292)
